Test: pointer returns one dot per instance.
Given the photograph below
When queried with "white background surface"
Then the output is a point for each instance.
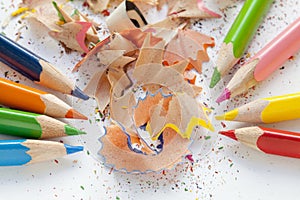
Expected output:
(229, 171)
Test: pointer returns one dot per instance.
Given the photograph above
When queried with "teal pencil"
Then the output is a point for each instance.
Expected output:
(25, 152)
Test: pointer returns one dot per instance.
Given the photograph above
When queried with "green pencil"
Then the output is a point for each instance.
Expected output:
(31, 125)
(239, 36)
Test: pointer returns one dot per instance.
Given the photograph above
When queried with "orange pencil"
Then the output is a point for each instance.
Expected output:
(18, 96)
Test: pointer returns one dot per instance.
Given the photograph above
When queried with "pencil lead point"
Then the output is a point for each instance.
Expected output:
(79, 93)
(72, 113)
(224, 96)
(216, 77)
(69, 130)
(73, 149)
(228, 116)
(229, 133)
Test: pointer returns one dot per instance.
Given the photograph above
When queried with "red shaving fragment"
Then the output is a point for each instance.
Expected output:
(80, 37)
(223, 125)
(190, 157)
(85, 4)
(105, 13)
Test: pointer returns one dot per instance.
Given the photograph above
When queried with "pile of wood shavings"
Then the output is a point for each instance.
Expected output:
(151, 131)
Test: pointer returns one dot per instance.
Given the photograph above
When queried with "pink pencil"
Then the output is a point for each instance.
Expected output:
(266, 61)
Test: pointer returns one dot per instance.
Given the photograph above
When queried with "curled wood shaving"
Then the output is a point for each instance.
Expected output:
(118, 155)
(75, 31)
(191, 9)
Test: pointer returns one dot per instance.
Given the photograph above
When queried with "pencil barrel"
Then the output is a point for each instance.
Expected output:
(20, 59)
(246, 24)
(18, 123)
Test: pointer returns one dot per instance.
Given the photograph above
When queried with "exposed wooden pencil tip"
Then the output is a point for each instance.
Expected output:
(224, 96)
(72, 113)
(229, 133)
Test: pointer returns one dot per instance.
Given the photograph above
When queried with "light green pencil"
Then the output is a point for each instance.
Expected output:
(239, 36)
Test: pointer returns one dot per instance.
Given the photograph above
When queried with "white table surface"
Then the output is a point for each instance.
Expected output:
(229, 171)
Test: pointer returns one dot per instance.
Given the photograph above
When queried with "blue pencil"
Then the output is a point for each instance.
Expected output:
(35, 68)
(24, 152)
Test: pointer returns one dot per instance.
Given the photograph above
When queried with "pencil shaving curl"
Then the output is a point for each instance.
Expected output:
(65, 24)
(149, 73)
(164, 112)
(178, 8)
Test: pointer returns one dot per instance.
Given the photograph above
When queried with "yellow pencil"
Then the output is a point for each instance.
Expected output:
(266, 110)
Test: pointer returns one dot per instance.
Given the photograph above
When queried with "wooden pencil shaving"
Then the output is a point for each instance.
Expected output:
(65, 24)
(168, 102)
(190, 9)
(148, 76)
(119, 156)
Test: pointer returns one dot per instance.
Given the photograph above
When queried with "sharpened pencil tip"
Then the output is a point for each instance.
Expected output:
(229, 133)
(79, 93)
(216, 77)
(228, 116)
(72, 113)
(224, 96)
(69, 130)
(73, 149)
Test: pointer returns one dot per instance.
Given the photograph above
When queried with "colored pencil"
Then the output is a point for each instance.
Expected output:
(21, 97)
(25, 152)
(31, 125)
(267, 140)
(265, 62)
(239, 36)
(266, 110)
(35, 68)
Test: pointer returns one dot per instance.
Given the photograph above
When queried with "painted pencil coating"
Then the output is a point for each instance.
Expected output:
(35, 68)
(268, 140)
(24, 152)
(279, 142)
(239, 36)
(276, 52)
(266, 110)
(31, 125)
(246, 24)
(21, 60)
(18, 96)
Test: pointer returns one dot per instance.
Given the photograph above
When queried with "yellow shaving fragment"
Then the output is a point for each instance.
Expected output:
(27, 13)
(19, 11)
(60, 22)
(206, 109)
(192, 123)
(187, 134)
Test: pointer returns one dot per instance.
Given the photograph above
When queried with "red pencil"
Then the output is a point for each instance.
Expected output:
(267, 140)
